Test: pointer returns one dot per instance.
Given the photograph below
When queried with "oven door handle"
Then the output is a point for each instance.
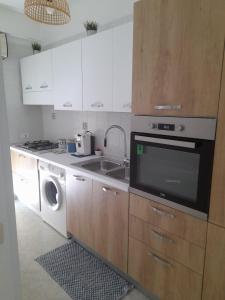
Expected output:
(177, 143)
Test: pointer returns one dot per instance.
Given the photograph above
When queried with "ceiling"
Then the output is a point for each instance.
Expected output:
(15, 4)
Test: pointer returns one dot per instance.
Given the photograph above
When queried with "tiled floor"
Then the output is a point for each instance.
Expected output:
(36, 238)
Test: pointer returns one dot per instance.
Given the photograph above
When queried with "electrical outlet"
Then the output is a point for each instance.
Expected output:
(85, 126)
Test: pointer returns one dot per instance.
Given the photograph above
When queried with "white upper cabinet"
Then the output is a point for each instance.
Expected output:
(67, 74)
(122, 67)
(97, 63)
(37, 79)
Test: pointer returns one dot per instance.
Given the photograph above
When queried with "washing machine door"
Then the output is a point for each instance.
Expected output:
(52, 193)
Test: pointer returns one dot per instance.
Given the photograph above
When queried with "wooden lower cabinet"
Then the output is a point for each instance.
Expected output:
(214, 277)
(80, 207)
(111, 224)
(26, 179)
(162, 276)
(184, 252)
(97, 215)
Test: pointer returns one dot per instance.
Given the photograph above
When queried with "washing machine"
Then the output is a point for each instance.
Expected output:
(53, 196)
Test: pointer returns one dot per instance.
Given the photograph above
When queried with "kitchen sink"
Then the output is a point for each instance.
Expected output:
(122, 173)
(105, 167)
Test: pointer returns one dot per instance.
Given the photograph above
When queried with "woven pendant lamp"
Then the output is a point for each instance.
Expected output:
(53, 12)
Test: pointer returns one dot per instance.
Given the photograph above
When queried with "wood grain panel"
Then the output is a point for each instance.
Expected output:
(217, 201)
(111, 224)
(214, 278)
(162, 276)
(186, 253)
(180, 224)
(79, 208)
(178, 52)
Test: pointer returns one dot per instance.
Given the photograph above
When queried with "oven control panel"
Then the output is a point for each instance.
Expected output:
(167, 127)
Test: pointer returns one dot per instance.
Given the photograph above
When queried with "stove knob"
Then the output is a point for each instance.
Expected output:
(180, 128)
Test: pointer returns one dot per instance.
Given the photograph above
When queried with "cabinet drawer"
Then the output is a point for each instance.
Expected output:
(24, 165)
(186, 253)
(162, 276)
(182, 225)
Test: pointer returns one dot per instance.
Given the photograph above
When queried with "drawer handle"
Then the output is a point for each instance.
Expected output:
(44, 86)
(97, 104)
(168, 107)
(163, 237)
(29, 87)
(22, 156)
(78, 178)
(67, 104)
(163, 213)
(160, 260)
(108, 190)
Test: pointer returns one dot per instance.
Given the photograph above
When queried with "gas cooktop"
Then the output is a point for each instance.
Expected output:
(39, 145)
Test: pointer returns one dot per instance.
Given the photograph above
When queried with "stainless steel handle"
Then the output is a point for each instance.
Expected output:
(67, 104)
(163, 237)
(160, 260)
(97, 104)
(165, 142)
(163, 213)
(29, 87)
(168, 107)
(78, 178)
(44, 86)
(108, 190)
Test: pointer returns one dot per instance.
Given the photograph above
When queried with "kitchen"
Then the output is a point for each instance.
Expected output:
(117, 144)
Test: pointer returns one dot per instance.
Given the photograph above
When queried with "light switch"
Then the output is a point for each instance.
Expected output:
(1, 234)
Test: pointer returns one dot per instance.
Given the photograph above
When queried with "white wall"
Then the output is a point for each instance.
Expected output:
(22, 119)
(103, 11)
(9, 265)
(67, 124)
(18, 25)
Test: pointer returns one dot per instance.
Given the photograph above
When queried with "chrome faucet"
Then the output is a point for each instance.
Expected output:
(126, 160)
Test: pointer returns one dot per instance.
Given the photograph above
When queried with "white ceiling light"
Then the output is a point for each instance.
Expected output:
(53, 12)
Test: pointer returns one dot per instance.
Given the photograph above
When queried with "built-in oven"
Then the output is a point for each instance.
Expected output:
(172, 160)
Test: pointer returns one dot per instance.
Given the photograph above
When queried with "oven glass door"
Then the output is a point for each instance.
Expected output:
(176, 169)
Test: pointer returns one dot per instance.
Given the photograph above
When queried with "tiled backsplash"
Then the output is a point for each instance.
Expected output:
(67, 124)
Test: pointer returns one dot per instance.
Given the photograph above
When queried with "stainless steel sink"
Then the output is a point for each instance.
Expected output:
(121, 174)
(103, 165)
(106, 167)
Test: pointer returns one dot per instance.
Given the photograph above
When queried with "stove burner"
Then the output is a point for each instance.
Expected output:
(39, 145)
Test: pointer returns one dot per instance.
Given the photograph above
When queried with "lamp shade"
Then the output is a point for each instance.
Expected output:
(53, 12)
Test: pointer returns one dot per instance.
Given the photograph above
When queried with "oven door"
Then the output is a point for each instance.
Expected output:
(172, 168)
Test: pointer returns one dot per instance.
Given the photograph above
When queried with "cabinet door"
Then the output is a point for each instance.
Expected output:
(122, 67)
(27, 74)
(98, 71)
(111, 224)
(178, 52)
(42, 67)
(67, 77)
(79, 207)
(214, 279)
(217, 201)
(162, 276)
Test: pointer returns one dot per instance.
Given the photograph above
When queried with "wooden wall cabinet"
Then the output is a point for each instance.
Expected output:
(26, 180)
(214, 279)
(177, 59)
